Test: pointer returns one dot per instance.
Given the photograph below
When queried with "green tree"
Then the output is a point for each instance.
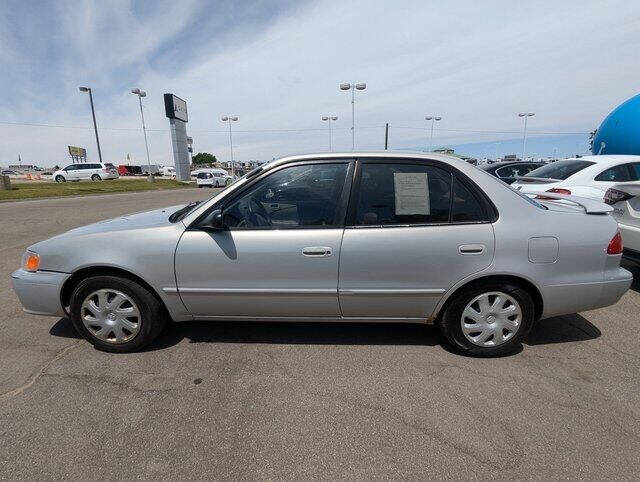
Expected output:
(203, 158)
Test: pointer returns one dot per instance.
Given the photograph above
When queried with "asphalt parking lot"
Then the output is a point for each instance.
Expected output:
(249, 400)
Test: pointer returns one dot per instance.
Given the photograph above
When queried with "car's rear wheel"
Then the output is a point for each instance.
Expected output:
(488, 320)
(60, 178)
(116, 314)
(95, 177)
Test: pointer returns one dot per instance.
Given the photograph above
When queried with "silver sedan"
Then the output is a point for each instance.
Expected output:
(348, 237)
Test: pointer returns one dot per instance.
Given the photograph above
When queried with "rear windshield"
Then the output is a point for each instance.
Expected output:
(560, 170)
(110, 166)
(204, 175)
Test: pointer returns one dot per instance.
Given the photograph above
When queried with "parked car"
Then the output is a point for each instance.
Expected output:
(339, 237)
(509, 171)
(87, 171)
(9, 172)
(588, 176)
(211, 178)
(625, 199)
(168, 171)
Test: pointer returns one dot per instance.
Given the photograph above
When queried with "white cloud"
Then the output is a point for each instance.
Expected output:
(475, 63)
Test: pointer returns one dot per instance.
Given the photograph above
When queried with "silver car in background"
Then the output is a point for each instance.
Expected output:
(347, 237)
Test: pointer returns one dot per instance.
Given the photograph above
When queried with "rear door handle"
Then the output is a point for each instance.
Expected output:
(471, 248)
(316, 251)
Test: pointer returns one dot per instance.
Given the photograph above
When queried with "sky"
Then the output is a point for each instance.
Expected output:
(277, 66)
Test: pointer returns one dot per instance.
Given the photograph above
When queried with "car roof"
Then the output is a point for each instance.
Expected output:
(606, 159)
(388, 155)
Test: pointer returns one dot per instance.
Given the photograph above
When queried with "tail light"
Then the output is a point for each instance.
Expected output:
(615, 245)
(613, 196)
(556, 190)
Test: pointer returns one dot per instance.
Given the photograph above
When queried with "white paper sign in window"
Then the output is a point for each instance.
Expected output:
(412, 193)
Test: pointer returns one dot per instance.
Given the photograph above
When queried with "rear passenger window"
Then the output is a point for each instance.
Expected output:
(392, 194)
(622, 173)
(465, 207)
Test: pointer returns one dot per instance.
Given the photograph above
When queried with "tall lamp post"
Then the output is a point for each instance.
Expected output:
(526, 115)
(93, 114)
(330, 118)
(433, 119)
(230, 119)
(353, 88)
(141, 94)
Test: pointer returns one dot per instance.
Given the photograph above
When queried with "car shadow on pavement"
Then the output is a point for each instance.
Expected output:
(562, 329)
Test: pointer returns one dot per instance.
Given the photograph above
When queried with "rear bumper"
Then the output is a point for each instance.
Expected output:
(39, 292)
(573, 298)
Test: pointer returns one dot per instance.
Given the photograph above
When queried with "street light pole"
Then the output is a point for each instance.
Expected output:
(93, 114)
(526, 115)
(141, 94)
(433, 119)
(230, 119)
(353, 88)
(330, 118)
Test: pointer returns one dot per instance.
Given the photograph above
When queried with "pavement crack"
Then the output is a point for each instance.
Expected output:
(38, 373)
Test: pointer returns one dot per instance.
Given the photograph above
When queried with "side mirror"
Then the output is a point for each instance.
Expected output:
(213, 221)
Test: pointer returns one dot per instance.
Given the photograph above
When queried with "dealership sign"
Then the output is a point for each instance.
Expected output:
(77, 151)
(175, 107)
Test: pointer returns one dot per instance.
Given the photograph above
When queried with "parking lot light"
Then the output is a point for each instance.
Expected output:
(353, 88)
(526, 115)
(433, 119)
(93, 114)
(230, 119)
(330, 118)
(141, 94)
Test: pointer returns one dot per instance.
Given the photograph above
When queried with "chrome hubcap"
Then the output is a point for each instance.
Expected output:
(111, 316)
(491, 319)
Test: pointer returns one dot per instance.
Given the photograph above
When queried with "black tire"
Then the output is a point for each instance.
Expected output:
(60, 178)
(199, 186)
(95, 177)
(450, 322)
(152, 313)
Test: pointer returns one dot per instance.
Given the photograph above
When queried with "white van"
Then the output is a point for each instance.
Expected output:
(211, 178)
(93, 171)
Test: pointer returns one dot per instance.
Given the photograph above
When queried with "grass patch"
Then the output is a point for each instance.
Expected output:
(36, 190)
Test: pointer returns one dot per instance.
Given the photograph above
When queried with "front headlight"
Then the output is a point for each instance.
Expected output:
(31, 261)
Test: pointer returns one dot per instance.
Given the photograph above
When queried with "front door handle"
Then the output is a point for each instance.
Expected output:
(316, 251)
(471, 248)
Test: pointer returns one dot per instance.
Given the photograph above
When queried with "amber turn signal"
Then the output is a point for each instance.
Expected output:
(32, 262)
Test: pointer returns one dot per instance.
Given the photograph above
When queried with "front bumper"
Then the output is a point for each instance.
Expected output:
(39, 292)
(576, 297)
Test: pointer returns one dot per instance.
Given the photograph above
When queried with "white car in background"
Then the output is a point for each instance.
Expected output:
(588, 176)
(625, 199)
(93, 171)
(168, 171)
(211, 178)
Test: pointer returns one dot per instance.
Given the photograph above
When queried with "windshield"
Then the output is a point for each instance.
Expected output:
(560, 170)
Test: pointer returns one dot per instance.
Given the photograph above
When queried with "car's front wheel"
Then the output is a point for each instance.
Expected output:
(116, 314)
(60, 178)
(488, 320)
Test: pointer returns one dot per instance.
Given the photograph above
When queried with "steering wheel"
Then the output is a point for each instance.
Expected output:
(254, 215)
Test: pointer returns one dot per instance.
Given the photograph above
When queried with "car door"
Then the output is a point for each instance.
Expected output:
(278, 254)
(414, 230)
(72, 172)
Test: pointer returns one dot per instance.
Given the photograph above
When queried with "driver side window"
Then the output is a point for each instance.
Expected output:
(293, 197)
